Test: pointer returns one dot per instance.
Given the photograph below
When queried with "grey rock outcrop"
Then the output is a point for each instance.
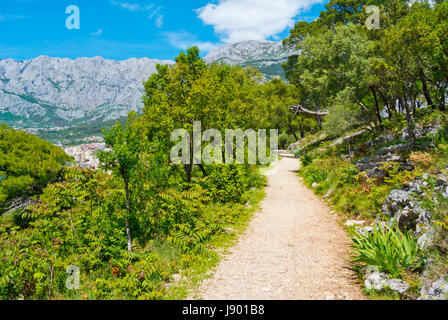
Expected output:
(376, 281)
(398, 285)
(373, 165)
(381, 281)
(437, 290)
(404, 206)
(422, 131)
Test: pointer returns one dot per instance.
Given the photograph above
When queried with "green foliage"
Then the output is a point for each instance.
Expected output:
(306, 160)
(389, 249)
(133, 224)
(27, 164)
(341, 119)
(227, 183)
(285, 140)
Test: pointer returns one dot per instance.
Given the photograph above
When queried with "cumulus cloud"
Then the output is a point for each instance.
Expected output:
(184, 40)
(240, 20)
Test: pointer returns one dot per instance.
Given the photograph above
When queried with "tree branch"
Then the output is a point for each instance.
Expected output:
(298, 108)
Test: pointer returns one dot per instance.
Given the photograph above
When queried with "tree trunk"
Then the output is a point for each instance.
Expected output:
(128, 209)
(292, 132)
(410, 122)
(302, 131)
(298, 108)
(201, 166)
(319, 119)
(426, 90)
(389, 107)
(377, 107)
(188, 168)
(389, 113)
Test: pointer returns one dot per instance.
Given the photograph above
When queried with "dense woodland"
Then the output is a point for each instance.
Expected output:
(138, 224)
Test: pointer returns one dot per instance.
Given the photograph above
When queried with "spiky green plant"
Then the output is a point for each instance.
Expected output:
(388, 248)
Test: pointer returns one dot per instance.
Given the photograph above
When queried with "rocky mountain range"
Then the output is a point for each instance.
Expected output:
(54, 93)
(267, 56)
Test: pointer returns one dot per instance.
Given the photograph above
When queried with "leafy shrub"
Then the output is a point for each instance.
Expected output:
(27, 163)
(285, 139)
(315, 174)
(341, 118)
(388, 248)
(306, 160)
(227, 183)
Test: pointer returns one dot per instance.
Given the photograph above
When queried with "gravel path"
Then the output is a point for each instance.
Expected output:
(293, 249)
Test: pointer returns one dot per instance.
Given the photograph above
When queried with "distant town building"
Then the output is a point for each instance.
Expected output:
(85, 154)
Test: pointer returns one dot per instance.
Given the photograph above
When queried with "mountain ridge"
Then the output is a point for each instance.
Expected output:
(58, 93)
(267, 56)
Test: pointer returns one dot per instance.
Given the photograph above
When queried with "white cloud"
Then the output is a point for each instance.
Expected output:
(159, 21)
(11, 17)
(98, 33)
(152, 14)
(240, 20)
(133, 6)
(184, 40)
(136, 7)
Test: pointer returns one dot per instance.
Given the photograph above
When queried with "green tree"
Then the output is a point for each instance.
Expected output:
(335, 68)
(123, 159)
(219, 96)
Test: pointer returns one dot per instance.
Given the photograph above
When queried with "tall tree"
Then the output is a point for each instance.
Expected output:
(219, 96)
(122, 158)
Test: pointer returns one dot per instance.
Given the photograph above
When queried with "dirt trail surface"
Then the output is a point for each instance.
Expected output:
(293, 249)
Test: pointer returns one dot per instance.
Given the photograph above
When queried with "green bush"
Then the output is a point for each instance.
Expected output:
(285, 139)
(227, 183)
(306, 160)
(389, 249)
(27, 163)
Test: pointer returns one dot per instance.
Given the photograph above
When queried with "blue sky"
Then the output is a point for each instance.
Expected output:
(121, 29)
